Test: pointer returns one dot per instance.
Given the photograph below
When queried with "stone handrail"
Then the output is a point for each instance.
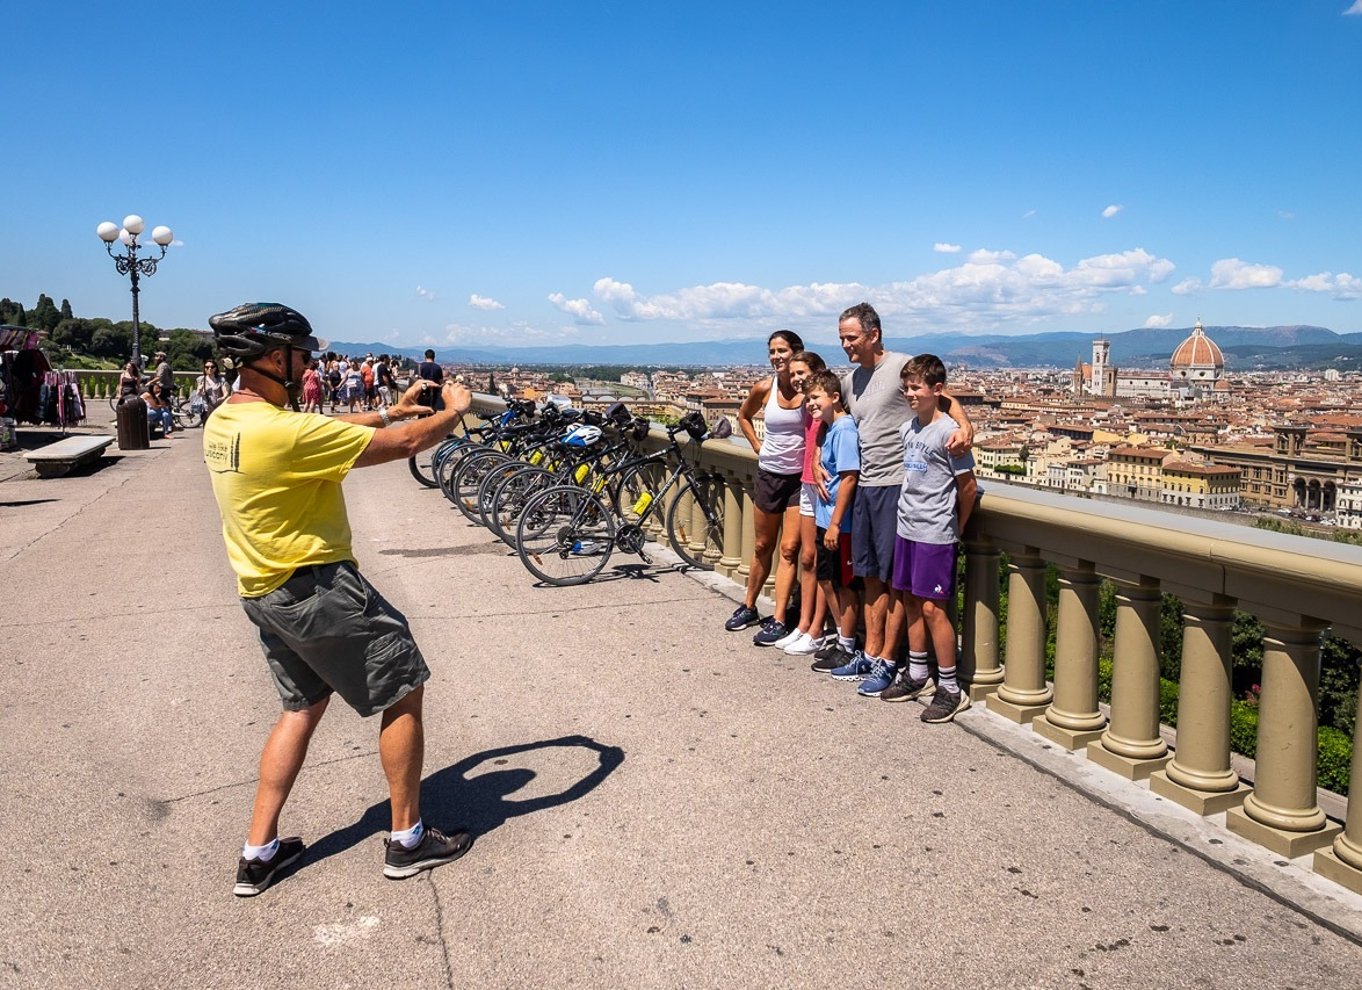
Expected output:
(1297, 586)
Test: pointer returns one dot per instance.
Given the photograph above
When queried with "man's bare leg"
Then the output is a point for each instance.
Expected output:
(402, 748)
(876, 616)
(283, 756)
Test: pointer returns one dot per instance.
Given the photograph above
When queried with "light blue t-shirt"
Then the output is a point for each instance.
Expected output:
(841, 451)
(927, 502)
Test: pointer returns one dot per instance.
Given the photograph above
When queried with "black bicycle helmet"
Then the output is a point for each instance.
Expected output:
(252, 329)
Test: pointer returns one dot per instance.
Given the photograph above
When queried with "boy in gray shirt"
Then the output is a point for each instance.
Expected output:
(934, 505)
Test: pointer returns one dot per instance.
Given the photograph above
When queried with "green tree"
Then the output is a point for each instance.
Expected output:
(66, 313)
(45, 314)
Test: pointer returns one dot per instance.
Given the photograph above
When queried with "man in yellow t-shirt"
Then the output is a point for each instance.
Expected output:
(277, 476)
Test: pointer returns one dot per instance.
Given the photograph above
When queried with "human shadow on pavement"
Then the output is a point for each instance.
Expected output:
(455, 798)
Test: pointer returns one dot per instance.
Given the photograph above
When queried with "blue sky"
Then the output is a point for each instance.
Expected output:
(609, 172)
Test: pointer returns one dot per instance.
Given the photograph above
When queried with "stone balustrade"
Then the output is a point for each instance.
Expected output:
(1296, 586)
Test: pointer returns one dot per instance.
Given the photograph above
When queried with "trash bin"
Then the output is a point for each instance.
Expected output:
(133, 433)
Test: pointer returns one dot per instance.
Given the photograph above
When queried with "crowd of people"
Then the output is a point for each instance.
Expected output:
(864, 484)
(352, 383)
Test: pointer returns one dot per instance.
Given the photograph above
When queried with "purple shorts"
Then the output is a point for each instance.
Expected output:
(924, 570)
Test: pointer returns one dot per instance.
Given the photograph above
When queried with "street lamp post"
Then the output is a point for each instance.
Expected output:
(131, 265)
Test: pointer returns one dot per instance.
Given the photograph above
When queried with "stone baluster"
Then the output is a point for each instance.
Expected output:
(654, 526)
(1131, 746)
(749, 535)
(1199, 776)
(1073, 719)
(1282, 812)
(1024, 694)
(733, 524)
(700, 543)
(1343, 863)
(978, 664)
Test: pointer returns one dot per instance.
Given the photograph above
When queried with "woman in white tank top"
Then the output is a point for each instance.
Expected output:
(780, 461)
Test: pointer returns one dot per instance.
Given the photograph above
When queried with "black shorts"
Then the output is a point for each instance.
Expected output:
(835, 565)
(776, 492)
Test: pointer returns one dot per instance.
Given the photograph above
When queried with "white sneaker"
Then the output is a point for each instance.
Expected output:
(787, 639)
(804, 646)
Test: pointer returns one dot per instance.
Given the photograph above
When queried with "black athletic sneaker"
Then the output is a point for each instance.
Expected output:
(830, 658)
(945, 705)
(254, 875)
(434, 849)
(906, 689)
(741, 618)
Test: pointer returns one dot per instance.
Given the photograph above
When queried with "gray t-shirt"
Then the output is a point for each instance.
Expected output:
(873, 398)
(927, 503)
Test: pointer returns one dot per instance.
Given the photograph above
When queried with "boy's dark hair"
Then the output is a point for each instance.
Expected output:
(925, 368)
(828, 383)
(814, 361)
(865, 315)
(430, 354)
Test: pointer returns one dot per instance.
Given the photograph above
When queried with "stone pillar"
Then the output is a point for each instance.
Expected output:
(656, 522)
(1282, 813)
(1024, 693)
(700, 543)
(1131, 745)
(1073, 720)
(1199, 776)
(749, 535)
(1343, 863)
(978, 665)
(733, 523)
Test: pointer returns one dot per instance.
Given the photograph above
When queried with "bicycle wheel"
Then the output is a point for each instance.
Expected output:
(565, 535)
(695, 522)
(463, 487)
(422, 467)
(510, 498)
(487, 488)
(445, 466)
(632, 492)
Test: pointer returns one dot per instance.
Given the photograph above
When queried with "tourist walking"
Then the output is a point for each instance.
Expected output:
(276, 476)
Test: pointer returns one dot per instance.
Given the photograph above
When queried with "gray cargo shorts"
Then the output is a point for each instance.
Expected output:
(328, 629)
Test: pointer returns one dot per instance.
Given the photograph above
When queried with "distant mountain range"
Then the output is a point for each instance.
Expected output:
(1269, 348)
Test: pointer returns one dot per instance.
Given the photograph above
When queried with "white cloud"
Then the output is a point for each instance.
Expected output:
(996, 286)
(426, 294)
(1287, 214)
(1158, 322)
(1186, 287)
(1111, 211)
(428, 340)
(579, 309)
(1231, 273)
(179, 243)
(484, 303)
(1341, 286)
(940, 247)
(1028, 214)
(1356, 8)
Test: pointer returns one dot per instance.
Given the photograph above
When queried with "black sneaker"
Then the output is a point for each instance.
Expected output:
(434, 849)
(254, 875)
(906, 689)
(741, 618)
(829, 659)
(945, 705)
(771, 630)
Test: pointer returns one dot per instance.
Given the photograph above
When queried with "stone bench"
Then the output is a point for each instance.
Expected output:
(56, 459)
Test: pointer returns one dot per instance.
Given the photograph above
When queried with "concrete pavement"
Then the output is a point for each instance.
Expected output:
(658, 803)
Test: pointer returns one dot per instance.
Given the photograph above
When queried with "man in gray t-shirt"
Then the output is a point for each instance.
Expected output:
(872, 394)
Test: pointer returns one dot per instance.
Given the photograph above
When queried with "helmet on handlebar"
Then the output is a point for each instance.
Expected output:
(582, 436)
(694, 424)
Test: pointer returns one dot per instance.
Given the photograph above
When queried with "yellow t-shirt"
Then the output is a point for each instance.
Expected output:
(277, 479)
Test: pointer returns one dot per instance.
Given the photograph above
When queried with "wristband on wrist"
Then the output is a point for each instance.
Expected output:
(383, 415)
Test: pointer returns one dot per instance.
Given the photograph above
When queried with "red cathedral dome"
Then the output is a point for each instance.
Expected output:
(1197, 358)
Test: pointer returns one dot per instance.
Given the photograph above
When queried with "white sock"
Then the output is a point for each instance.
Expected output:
(263, 853)
(945, 677)
(917, 666)
(847, 643)
(410, 838)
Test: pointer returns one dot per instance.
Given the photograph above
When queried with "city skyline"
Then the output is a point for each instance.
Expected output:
(610, 174)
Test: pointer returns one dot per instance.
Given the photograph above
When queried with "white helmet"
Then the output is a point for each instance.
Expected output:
(582, 436)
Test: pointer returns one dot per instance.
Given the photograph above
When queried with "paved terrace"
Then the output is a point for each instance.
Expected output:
(658, 804)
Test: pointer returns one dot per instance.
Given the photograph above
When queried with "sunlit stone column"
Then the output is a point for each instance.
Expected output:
(1073, 720)
(733, 522)
(1282, 812)
(979, 667)
(655, 523)
(699, 527)
(1131, 745)
(749, 532)
(1343, 863)
(1199, 776)
(1024, 693)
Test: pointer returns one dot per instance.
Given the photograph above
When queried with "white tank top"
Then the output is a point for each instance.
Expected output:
(782, 452)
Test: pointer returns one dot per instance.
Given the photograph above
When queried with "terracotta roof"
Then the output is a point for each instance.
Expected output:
(1197, 351)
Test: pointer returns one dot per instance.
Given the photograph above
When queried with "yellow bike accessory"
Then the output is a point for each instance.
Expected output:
(642, 502)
